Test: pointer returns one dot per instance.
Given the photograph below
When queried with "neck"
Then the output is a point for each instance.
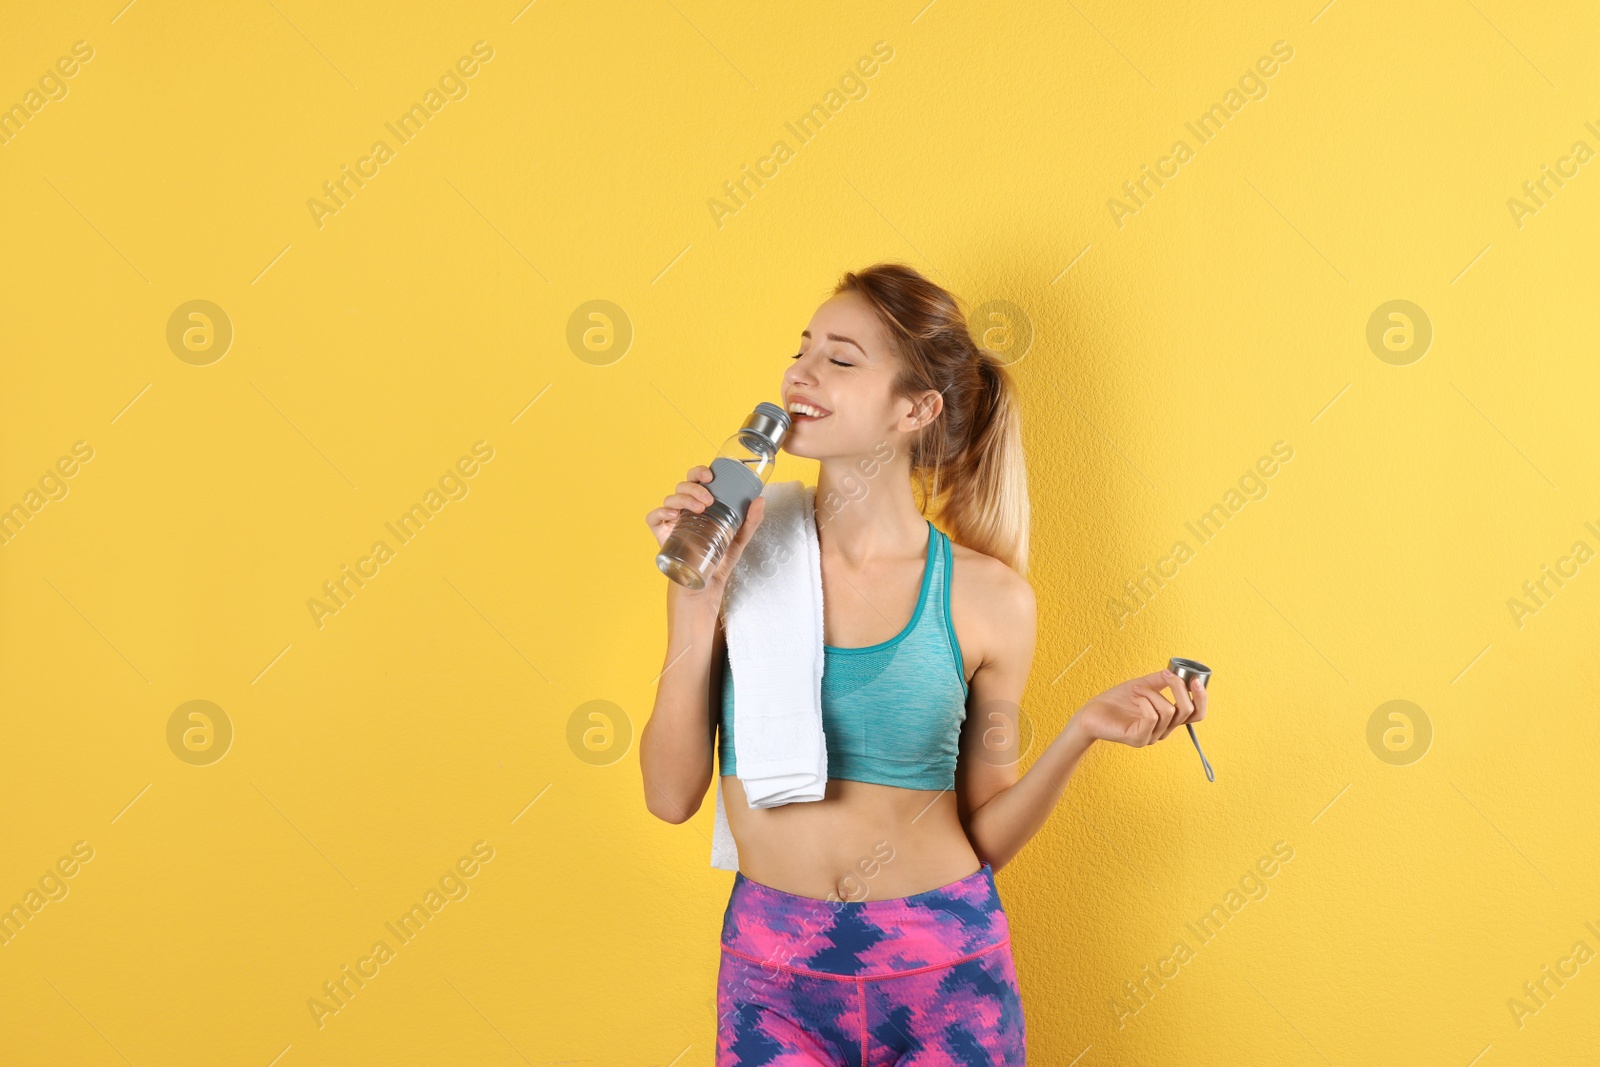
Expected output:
(861, 518)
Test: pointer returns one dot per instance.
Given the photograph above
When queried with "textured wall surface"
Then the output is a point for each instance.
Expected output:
(346, 346)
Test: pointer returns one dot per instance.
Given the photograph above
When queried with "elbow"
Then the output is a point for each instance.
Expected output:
(992, 858)
(668, 794)
(671, 813)
(985, 849)
(666, 808)
(663, 812)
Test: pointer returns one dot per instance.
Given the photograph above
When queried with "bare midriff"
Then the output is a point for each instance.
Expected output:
(861, 841)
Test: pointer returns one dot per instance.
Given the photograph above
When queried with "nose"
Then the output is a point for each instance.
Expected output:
(798, 372)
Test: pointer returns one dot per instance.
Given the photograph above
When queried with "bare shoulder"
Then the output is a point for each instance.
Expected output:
(989, 583)
(991, 605)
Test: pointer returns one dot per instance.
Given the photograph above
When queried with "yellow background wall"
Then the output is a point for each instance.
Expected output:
(372, 749)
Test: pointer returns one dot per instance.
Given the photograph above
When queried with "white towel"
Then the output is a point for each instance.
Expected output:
(772, 612)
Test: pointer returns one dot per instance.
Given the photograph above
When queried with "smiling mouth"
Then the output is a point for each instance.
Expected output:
(800, 412)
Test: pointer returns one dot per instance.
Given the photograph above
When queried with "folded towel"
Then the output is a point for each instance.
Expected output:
(772, 612)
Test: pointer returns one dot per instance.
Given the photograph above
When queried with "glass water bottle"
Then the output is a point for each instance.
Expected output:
(694, 550)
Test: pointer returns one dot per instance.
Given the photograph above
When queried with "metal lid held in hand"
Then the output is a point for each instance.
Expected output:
(770, 421)
(1189, 668)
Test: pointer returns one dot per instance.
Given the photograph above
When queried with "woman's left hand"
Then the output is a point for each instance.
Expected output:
(1135, 713)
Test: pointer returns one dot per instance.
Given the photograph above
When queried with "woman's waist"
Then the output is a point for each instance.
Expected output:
(857, 867)
(890, 865)
(860, 839)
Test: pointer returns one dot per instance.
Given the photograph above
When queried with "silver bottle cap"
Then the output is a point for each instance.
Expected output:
(770, 421)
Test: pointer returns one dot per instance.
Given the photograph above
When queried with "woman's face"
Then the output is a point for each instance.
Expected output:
(843, 372)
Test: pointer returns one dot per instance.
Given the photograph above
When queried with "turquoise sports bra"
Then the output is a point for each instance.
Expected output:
(891, 712)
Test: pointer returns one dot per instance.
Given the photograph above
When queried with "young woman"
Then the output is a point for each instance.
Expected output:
(865, 928)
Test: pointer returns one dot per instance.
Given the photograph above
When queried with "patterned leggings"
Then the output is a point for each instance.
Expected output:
(921, 981)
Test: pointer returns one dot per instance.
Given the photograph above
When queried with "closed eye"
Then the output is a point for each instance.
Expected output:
(836, 362)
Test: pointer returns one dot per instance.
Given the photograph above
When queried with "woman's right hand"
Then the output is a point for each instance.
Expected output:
(693, 496)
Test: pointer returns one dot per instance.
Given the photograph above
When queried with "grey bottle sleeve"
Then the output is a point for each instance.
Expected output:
(734, 485)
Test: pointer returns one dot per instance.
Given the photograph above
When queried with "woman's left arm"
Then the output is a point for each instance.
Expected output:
(1000, 810)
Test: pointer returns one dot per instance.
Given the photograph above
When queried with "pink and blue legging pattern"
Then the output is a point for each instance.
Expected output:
(921, 981)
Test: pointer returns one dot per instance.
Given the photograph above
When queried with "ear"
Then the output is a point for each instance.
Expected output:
(925, 407)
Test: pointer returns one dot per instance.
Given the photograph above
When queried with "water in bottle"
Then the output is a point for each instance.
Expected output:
(699, 540)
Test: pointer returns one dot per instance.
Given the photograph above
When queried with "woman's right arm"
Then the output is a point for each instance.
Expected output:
(676, 745)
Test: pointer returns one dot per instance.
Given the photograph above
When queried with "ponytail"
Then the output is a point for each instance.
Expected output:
(968, 462)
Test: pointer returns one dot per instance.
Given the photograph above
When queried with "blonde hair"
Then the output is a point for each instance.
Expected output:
(969, 461)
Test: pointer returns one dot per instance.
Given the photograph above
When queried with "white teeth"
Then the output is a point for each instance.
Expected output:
(806, 409)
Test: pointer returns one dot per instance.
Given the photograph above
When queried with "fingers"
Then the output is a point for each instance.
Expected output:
(1169, 716)
(1180, 694)
(1164, 710)
(1184, 704)
(692, 492)
(1136, 713)
(691, 495)
(1143, 730)
(1153, 681)
(695, 485)
(752, 519)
